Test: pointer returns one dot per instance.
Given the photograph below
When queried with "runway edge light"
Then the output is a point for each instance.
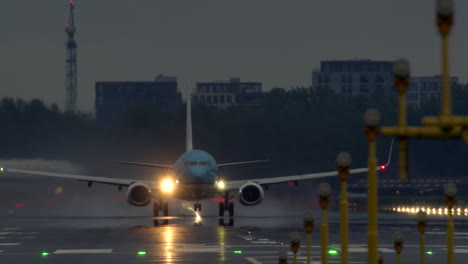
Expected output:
(429, 252)
(237, 251)
(141, 253)
(44, 254)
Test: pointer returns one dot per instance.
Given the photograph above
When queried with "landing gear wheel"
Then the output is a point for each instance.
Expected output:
(155, 209)
(221, 209)
(231, 210)
(166, 209)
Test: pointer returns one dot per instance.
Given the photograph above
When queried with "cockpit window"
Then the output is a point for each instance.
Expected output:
(199, 163)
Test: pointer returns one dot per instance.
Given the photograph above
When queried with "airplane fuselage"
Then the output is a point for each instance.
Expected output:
(196, 172)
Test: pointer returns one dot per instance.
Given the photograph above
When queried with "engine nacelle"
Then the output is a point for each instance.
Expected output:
(251, 193)
(139, 194)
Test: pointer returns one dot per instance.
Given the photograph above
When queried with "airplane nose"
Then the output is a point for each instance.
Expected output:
(199, 171)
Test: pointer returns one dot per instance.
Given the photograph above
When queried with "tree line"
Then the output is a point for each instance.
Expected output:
(299, 130)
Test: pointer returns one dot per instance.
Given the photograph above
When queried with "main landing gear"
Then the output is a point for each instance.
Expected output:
(160, 206)
(226, 206)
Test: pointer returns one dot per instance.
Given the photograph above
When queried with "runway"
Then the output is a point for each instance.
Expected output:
(248, 240)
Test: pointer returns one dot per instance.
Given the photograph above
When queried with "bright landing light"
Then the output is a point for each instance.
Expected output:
(221, 185)
(167, 185)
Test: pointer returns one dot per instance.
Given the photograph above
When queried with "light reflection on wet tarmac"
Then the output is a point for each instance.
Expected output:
(246, 240)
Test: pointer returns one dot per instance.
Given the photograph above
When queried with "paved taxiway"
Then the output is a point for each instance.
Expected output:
(249, 240)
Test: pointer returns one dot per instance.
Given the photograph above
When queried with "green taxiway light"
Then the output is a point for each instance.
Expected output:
(429, 252)
(237, 251)
(333, 252)
(141, 253)
(45, 254)
(1, 169)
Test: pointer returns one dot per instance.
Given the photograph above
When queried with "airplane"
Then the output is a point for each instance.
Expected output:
(194, 177)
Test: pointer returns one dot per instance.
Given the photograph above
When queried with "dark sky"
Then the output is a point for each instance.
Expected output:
(276, 42)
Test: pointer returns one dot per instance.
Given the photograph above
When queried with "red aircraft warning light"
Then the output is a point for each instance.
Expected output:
(383, 167)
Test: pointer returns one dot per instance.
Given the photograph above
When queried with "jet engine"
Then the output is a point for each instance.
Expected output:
(251, 193)
(138, 194)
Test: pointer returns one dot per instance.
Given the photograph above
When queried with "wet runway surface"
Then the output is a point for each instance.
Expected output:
(248, 240)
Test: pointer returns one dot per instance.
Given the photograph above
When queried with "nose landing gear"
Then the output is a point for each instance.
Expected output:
(196, 206)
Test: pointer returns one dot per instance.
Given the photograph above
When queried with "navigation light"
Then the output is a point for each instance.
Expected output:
(141, 253)
(333, 252)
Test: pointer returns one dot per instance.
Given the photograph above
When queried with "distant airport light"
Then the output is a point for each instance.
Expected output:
(141, 253)
(221, 185)
(333, 252)
(167, 185)
(429, 253)
(1, 169)
(237, 251)
(45, 254)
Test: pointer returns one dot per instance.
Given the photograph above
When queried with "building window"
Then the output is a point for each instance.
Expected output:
(208, 99)
(221, 99)
(195, 98)
(379, 78)
(229, 99)
(215, 99)
(364, 89)
(202, 98)
(364, 78)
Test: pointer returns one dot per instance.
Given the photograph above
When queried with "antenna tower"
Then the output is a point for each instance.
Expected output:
(70, 59)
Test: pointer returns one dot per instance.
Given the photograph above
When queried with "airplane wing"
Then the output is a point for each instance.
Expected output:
(143, 164)
(241, 163)
(89, 179)
(232, 185)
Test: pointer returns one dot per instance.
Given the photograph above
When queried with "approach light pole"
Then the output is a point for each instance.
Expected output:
(308, 226)
(422, 224)
(324, 198)
(295, 239)
(372, 120)
(398, 245)
(401, 71)
(450, 190)
(445, 17)
(283, 257)
(343, 161)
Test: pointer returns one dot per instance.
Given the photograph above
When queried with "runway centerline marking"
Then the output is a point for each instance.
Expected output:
(83, 251)
(253, 261)
(10, 244)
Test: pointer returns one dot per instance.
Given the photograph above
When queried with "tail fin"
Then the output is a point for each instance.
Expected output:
(188, 141)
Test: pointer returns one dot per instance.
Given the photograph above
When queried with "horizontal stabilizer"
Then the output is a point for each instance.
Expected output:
(143, 164)
(241, 163)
